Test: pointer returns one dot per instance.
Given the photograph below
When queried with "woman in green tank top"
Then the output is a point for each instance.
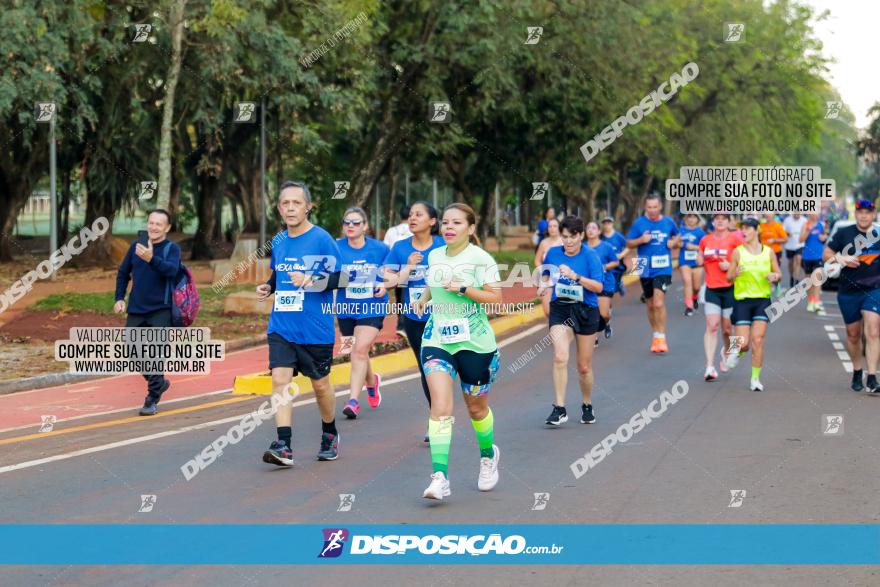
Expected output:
(753, 269)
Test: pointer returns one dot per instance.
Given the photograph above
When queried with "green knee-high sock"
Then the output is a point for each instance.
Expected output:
(485, 430)
(440, 435)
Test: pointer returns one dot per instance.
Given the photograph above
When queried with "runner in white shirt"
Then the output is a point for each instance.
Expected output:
(793, 225)
(399, 232)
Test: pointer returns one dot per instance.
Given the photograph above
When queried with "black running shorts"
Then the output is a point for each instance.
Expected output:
(312, 360)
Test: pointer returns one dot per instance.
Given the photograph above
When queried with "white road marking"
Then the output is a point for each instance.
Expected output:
(833, 336)
(838, 346)
(139, 439)
(92, 415)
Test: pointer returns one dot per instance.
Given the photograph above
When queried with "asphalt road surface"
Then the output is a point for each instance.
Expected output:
(680, 469)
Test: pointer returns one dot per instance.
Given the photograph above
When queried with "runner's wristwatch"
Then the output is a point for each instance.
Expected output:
(462, 289)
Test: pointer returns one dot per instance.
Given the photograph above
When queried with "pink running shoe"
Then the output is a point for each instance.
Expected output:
(351, 409)
(375, 398)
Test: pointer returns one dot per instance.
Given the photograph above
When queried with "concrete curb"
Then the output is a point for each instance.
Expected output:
(54, 379)
(389, 364)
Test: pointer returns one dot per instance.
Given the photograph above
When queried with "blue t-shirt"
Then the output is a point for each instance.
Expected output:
(689, 236)
(415, 285)
(618, 243)
(813, 247)
(586, 264)
(656, 255)
(606, 255)
(298, 316)
(542, 228)
(361, 275)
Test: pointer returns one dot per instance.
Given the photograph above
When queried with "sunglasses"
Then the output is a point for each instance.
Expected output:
(352, 222)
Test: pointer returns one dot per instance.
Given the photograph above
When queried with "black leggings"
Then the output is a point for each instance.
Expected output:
(414, 330)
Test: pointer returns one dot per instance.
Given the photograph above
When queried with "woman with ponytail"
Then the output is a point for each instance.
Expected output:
(458, 341)
(405, 267)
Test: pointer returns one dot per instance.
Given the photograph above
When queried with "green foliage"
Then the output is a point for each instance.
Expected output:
(358, 111)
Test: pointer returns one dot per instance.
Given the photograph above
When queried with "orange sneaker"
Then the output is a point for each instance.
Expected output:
(662, 346)
(655, 345)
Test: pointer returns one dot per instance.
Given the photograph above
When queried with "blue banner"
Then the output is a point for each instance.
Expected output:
(637, 544)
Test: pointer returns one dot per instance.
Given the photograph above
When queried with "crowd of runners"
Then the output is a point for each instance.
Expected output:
(443, 281)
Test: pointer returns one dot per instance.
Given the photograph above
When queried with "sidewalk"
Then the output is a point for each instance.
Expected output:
(125, 392)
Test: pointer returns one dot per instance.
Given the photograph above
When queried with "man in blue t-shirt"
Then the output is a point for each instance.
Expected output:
(149, 267)
(653, 235)
(301, 332)
(618, 244)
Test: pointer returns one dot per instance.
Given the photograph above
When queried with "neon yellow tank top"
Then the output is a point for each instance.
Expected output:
(752, 282)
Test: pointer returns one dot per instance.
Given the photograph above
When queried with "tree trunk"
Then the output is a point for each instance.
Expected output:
(174, 201)
(209, 191)
(218, 219)
(394, 188)
(364, 181)
(9, 209)
(175, 21)
(98, 251)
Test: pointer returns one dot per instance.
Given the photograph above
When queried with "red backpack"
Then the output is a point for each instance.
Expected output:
(185, 302)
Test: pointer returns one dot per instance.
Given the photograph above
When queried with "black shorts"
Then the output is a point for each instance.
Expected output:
(583, 319)
(346, 325)
(606, 294)
(810, 266)
(792, 254)
(477, 371)
(720, 296)
(748, 310)
(312, 360)
(779, 258)
(618, 283)
(649, 284)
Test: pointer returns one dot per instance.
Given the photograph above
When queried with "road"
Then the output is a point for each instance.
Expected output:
(680, 469)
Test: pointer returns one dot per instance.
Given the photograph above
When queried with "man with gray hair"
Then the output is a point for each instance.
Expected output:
(301, 336)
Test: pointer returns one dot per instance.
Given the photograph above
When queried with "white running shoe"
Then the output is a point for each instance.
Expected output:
(723, 363)
(711, 374)
(820, 307)
(439, 487)
(756, 385)
(732, 359)
(489, 471)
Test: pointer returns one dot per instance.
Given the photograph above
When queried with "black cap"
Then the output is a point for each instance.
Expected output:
(753, 222)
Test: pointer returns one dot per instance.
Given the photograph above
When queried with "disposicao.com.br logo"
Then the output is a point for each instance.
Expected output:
(454, 544)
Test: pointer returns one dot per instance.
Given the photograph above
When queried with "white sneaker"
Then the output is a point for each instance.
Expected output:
(732, 359)
(723, 362)
(439, 487)
(820, 307)
(489, 471)
(756, 385)
(711, 374)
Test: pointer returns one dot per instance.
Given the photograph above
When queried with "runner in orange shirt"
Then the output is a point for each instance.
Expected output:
(773, 235)
(716, 249)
